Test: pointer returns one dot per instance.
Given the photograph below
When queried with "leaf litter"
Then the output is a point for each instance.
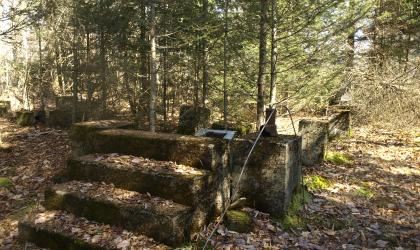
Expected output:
(387, 163)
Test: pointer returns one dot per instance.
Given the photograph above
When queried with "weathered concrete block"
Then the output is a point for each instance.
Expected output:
(239, 221)
(339, 123)
(25, 118)
(82, 134)
(314, 140)
(64, 102)
(183, 184)
(60, 118)
(4, 108)
(192, 119)
(163, 220)
(198, 152)
(272, 173)
(58, 230)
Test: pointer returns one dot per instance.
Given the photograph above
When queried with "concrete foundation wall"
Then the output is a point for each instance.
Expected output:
(314, 140)
(272, 173)
(271, 176)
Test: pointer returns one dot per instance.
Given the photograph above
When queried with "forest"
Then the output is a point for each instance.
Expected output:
(72, 68)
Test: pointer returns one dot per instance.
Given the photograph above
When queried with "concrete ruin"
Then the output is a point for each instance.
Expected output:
(173, 184)
(192, 119)
(314, 140)
(62, 115)
(5, 108)
(317, 132)
(25, 118)
(272, 174)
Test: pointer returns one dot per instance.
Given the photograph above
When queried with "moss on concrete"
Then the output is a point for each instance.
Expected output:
(83, 134)
(185, 189)
(167, 224)
(239, 221)
(292, 218)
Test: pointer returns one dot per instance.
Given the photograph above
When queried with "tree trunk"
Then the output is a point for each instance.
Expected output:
(102, 53)
(153, 67)
(75, 87)
(204, 55)
(197, 75)
(225, 66)
(89, 84)
(144, 83)
(58, 66)
(40, 70)
(273, 75)
(262, 62)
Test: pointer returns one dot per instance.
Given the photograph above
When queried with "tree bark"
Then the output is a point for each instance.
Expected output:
(225, 66)
(153, 67)
(102, 53)
(273, 75)
(75, 88)
(204, 55)
(144, 83)
(262, 62)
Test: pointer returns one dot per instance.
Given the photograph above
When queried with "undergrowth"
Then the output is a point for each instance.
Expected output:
(5, 182)
(337, 158)
(316, 182)
(292, 218)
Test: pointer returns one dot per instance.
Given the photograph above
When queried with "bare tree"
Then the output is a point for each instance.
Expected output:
(262, 61)
(153, 67)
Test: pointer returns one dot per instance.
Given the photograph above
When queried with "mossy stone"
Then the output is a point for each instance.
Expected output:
(239, 221)
(25, 118)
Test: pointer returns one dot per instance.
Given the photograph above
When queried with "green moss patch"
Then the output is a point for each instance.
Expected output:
(364, 189)
(5, 182)
(337, 158)
(316, 182)
(365, 192)
(292, 218)
(239, 221)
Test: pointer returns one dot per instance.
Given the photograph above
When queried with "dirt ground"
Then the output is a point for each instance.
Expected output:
(366, 196)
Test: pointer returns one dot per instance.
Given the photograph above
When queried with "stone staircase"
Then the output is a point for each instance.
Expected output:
(129, 189)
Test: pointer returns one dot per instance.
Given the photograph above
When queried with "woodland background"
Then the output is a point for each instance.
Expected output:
(146, 58)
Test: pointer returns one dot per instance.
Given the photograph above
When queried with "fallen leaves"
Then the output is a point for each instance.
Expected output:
(100, 234)
(133, 162)
(338, 217)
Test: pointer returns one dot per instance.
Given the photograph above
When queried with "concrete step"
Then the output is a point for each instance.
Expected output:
(59, 230)
(163, 220)
(197, 152)
(83, 133)
(180, 183)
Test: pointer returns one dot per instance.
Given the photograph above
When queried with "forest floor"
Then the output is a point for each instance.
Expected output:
(366, 196)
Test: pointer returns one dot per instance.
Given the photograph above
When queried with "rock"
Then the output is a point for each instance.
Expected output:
(239, 221)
